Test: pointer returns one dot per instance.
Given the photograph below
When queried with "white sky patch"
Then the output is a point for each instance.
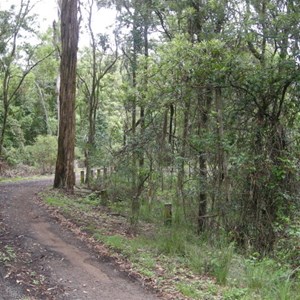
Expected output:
(46, 11)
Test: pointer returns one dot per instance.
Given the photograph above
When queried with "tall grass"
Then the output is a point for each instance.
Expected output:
(199, 254)
(271, 280)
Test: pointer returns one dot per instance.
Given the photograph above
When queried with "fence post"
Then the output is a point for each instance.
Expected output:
(82, 177)
(168, 214)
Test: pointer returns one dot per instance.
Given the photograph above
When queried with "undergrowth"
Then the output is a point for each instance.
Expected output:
(197, 267)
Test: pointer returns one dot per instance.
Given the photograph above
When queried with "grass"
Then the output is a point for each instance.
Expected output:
(174, 256)
(133, 249)
(235, 293)
(206, 259)
(57, 202)
(271, 280)
(188, 290)
(7, 254)
(16, 179)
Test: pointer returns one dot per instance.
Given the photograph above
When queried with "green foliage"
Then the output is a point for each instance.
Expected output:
(237, 154)
(14, 138)
(235, 294)
(151, 212)
(215, 260)
(7, 255)
(15, 156)
(171, 241)
(287, 246)
(189, 290)
(178, 248)
(116, 242)
(222, 263)
(43, 153)
(91, 200)
(57, 202)
(271, 280)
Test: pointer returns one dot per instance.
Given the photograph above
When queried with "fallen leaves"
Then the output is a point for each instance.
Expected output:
(21, 270)
(167, 277)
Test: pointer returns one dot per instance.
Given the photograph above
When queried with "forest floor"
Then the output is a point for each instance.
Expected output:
(59, 246)
(41, 259)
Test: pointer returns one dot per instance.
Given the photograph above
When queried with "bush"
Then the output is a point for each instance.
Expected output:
(43, 153)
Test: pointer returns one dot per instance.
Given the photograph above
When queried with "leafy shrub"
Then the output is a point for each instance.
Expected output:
(287, 246)
(43, 153)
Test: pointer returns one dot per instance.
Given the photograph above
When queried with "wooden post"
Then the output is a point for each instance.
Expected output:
(92, 174)
(98, 173)
(105, 172)
(168, 214)
(104, 197)
(82, 177)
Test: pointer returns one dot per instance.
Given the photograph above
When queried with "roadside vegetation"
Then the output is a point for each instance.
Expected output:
(174, 260)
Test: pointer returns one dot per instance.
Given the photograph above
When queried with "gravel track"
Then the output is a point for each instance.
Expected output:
(54, 263)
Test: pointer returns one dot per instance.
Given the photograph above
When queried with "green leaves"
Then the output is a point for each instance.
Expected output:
(43, 153)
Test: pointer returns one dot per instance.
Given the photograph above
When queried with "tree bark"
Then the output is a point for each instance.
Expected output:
(204, 106)
(183, 155)
(3, 129)
(64, 173)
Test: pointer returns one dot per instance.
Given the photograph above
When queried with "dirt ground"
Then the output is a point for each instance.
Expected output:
(42, 260)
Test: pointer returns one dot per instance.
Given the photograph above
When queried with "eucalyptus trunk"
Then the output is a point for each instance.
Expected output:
(204, 106)
(64, 173)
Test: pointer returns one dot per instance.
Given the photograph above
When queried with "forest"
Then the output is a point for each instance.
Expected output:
(192, 106)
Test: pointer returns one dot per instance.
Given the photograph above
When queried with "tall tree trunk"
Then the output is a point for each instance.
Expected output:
(43, 102)
(64, 173)
(91, 137)
(92, 99)
(164, 130)
(135, 205)
(57, 91)
(220, 136)
(56, 44)
(202, 207)
(223, 185)
(183, 155)
(144, 95)
(3, 129)
(5, 96)
(204, 104)
(172, 111)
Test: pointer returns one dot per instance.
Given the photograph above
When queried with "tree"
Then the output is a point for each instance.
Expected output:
(45, 75)
(98, 64)
(43, 154)
(135, 15)
(266, 80)
(220, 83)
(64, 173)
(14, 69)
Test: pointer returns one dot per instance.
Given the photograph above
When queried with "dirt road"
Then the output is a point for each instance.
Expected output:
(45, 261)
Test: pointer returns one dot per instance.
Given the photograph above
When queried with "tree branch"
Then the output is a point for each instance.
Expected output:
(25, 74)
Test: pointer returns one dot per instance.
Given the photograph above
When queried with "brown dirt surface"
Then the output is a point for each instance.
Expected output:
(40, 259)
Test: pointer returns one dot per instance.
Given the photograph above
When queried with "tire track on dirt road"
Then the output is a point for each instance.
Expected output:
(68, 267)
